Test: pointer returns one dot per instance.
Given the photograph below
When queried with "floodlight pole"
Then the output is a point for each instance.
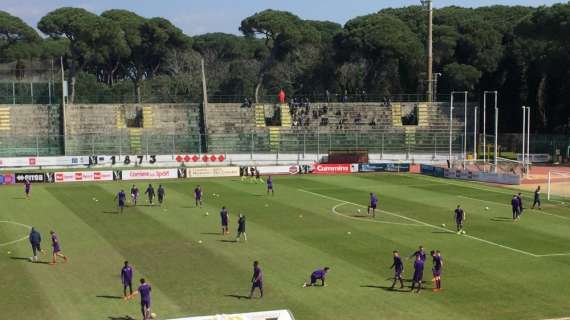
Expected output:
(475, 134)
(496, 132)
(465, 131)
(528, 141)
(485, 93)
(429, 7)
(450, 127)
(523, 136)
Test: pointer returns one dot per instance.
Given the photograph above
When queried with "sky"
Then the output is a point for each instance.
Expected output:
(204, 16)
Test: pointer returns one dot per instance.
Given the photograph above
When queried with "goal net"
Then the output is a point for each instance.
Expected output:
(559, 185)
(503, 166)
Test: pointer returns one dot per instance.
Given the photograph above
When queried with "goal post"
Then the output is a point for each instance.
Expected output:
(558, 185)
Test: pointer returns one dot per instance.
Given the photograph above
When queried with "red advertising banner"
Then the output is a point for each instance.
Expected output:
(327, 168)
(83, 176)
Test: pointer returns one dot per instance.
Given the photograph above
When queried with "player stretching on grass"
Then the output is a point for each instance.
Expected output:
(459, 219)
(241, 228)
(35, 240)
(160, 192)
(134, 195)
(198, 196)
(127, 280)
(27, 188)
(56, 248)
(437, 267)
(373, 204)
(144, 291)
(398, 269)
(225, 217)
(270, 186)
(122, 197)
(536, 199)
(256, 280)
(318, 275)
(418, 273)
(150, 193)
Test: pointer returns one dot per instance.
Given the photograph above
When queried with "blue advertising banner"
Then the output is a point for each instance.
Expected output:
(384, 167)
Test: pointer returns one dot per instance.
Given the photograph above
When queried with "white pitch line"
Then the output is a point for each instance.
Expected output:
(507, 205)
(18, 240)
(554, 255)
(375, 221)
(427, 224)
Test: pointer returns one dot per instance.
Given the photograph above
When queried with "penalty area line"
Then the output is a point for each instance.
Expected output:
(375, 221)
(17, 240)
(426, 224)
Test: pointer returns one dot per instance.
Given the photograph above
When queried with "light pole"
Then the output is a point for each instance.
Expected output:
(523, 136)
(475, 134)
(428, 5)
(496, 133)
(485, 121)
(526, 144)
(451, 125)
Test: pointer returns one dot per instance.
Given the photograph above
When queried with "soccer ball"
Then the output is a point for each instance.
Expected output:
(486, 208)
(200, 241)
(207, 213)
(31, 259)
(300, 216)
(443, 225)
(358, 210)
(349, 233)
(266, 205)
(153, 315)
(463, 232)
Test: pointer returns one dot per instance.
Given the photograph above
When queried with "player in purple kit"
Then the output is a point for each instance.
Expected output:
(420, 252)
(56, 248)
(459, 214)
(319, 274)
(418, 273)
(150, 193)
(373, 204)
(256, 280)
(122, 197)
(134, 194)
(536, 199)
(144, 291)
(521, 202)
(270, 186)
(225, 217)
(515, 206)
(127, 280)
(398, 269)
(198, 196)
(27, 188)
(437, 267)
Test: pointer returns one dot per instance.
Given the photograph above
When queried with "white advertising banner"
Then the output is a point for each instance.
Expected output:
(500, 178)
(278, 170)
(43, 161)
(149, 174)
(84, 176)
(536, 157)
(210, 172)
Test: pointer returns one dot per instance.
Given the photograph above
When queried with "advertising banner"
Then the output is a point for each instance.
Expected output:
(536, 157)
(210, 172)
(7, 178)
(34, 177)
(384, 167)
(327, 168)
(84, 176)
(278, 170)
(43, 161)
(149, 174)
(491, 177)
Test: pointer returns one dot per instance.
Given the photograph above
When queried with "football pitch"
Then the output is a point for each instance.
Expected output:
(498, 270)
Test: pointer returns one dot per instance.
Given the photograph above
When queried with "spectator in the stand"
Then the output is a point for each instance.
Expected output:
(315, 114)
(281, 96)
(325, 109)
(345, 97)
(373, 123)
(363, 96)
(358, 119)
(327, 95)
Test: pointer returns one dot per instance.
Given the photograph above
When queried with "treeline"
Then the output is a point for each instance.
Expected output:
(523, 52)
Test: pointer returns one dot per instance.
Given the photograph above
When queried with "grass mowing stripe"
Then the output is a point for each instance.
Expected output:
(334, 210)
(427, 224)
(507, 205)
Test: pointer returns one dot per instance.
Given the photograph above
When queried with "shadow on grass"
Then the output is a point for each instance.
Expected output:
(111, 212)
(445, 232)
(28, 260)
(109, 297)
(501, 219)
(228, 241)
(19, 198)
(237, 296)
(387, 288)
(211, 233)
(121, 318)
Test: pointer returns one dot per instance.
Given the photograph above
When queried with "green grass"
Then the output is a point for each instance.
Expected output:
(500, 270)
